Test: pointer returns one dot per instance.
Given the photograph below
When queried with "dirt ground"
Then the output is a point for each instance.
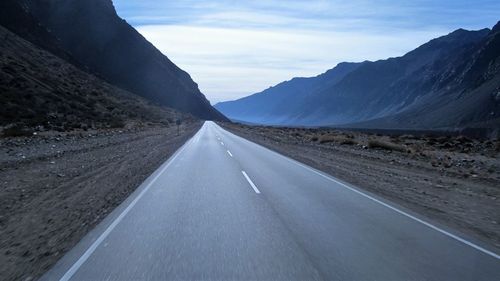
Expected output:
(55, 187)
(452, 180)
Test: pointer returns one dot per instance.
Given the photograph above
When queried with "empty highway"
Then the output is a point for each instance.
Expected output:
(224, 208)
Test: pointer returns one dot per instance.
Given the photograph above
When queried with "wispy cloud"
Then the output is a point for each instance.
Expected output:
(235, 48)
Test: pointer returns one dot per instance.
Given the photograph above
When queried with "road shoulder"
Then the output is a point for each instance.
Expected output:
(56, 189)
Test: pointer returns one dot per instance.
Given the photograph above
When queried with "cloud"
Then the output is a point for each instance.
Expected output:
(236, 48)
(228, 63)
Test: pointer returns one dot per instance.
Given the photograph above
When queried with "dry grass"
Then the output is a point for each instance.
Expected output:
(340, 139)
(326, 138)
(17, 131)
(375, 143)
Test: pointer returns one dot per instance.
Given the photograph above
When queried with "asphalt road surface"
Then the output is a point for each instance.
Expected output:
(224, 208)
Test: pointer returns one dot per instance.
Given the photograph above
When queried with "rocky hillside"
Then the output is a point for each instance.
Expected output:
(461, 90)
(104, 44)
(40, 91)
(274, 105)
(15, 17)
(449, 83)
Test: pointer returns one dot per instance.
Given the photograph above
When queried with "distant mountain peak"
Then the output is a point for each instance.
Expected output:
(496, 28)
(445, 83)
(463, 35)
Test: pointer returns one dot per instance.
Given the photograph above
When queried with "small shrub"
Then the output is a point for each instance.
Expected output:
(116, 123)
(386, 145)
(338, 139)
(326, 139)
(395, 139)
(463, 139)
(348, 141)
(17, 131)
(314, 138)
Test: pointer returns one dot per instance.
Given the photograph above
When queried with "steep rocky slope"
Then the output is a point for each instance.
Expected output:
(94, 36)
(17, 19)
(40, 91)
(464, 91)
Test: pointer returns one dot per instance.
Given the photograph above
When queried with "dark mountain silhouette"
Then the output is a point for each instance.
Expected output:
(451, 82)
(15, 17)
(40, 89)
(91, 33)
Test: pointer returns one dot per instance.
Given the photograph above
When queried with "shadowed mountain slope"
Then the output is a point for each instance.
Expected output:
(448, 83)
(40, 91)
(92, 33)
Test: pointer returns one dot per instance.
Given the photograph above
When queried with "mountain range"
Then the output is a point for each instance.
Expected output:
(91, 36)
(41, 91)
(451, 82)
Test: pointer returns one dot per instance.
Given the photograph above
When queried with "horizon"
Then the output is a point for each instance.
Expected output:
(250, 47)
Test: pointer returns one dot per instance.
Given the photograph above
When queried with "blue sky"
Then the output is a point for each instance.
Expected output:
(236, 48)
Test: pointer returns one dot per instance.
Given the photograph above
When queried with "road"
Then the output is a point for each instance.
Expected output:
(224, 208)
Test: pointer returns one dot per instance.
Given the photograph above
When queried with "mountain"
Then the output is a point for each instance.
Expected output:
(274, 104)
(43, 88)
(15, 17)
(40, 91)
(100, 41)
(464, 92)
(451, 82)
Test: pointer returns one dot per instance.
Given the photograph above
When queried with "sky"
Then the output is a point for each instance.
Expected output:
(236, 48)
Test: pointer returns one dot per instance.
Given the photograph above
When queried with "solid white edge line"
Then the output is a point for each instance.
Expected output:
(74, 268)
(442, 231)
(229, 152)
(250, 182)
(451, 235)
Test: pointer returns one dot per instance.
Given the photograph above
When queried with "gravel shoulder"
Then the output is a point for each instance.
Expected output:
(454, 181)
(55, 187)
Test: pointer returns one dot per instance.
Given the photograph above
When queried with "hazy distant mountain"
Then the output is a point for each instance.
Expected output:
(450, 82)
(274, 105)
(91, 32)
